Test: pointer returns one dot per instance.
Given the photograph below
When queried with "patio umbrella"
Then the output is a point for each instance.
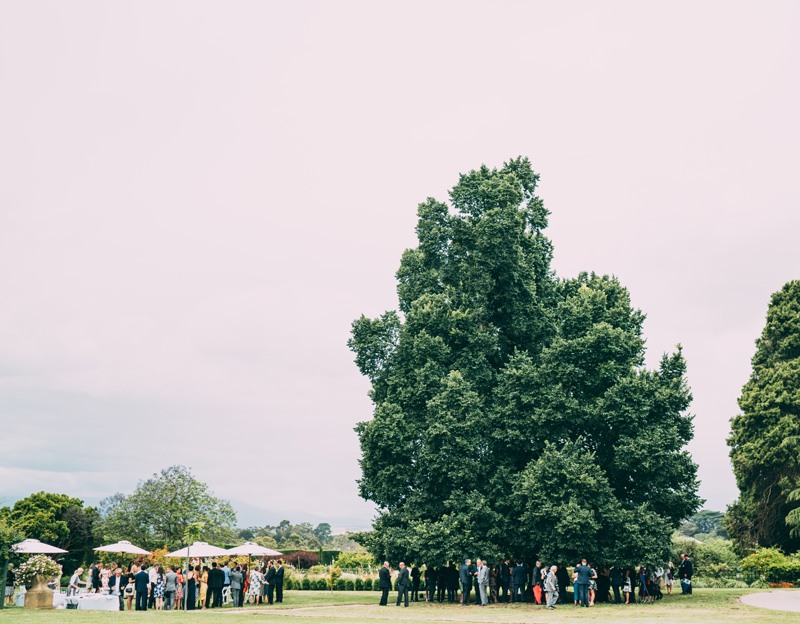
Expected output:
(198, 549)
(35, 547)
(251, 548)
(123, 546)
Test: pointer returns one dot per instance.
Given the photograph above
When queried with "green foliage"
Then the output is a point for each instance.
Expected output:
(289, 584)
(359, 585)
(9, 535)
(162, 507)
(286, 536)
(367, 584)
(704, 525)
(322, 583)
(55, 519)
(772, 565)
(305, 584)
(715, 559)
(334, 576)
(765, 437)
(349, 585)
(356, 560)
(323, 533)
(494, 370)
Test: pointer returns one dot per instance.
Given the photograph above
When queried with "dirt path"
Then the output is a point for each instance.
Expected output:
(781, 600)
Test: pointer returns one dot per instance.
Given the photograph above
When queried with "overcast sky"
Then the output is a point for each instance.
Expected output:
(197, 198)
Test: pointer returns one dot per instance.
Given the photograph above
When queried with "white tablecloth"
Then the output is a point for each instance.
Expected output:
(98, 602)
(59, 600)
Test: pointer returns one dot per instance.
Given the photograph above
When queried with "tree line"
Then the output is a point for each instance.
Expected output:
(170, 508)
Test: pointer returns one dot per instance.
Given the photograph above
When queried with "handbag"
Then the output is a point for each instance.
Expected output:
(129, 590)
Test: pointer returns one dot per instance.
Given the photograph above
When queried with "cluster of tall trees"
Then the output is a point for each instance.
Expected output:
(288, 536)
(513, 411)
(765, 436)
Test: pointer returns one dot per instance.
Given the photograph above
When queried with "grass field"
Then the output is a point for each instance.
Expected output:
(706, 606)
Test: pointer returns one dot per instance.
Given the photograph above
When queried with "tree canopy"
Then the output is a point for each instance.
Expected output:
(765, 436)
(513, 413)
(161, 508)
(56, 519)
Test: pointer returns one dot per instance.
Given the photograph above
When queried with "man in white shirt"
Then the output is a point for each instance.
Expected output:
(151, 601)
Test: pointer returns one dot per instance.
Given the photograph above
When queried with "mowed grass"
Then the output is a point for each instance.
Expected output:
(709, 606)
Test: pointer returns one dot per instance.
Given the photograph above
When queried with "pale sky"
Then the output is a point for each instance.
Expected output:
(197, 198)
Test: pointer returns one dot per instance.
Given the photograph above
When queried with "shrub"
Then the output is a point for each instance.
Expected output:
(349, 585)
(356, 560)
(715, 559)
(340, 585)
(359, 585)
(318, 569)
(289, 584)
(367, 584)
(305, 583)
(302, 559)
(733, 584)
(772, 565)
(322, 583)
(759, 584)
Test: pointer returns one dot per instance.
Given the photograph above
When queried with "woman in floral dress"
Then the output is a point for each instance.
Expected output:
(158, 590)
(255, 585)
(179, 590)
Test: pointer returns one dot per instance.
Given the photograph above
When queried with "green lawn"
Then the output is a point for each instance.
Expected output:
(706, 606)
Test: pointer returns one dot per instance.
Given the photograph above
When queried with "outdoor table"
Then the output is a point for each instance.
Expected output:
(98, 602)
(59, 599)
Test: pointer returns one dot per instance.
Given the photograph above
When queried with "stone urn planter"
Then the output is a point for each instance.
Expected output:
(39, 596)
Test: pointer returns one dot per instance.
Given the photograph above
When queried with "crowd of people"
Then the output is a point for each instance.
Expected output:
(143, 587)
(505, 582)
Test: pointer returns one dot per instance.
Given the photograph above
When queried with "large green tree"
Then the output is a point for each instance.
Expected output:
(765, 436)
(513, 413)
(56, 519)
(161, 508)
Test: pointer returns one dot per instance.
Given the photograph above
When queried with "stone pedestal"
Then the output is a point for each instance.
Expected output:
(40, 596)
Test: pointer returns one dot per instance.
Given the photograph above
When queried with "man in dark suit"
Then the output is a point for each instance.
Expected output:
(279, 581)
(142, 582)
(415, 577)
(216, 581)
(520, 575)
(116, 586)
(465, 576)
(505, 580)
(269, 581)
(95, 578)
(452, 583)
(402, 584)
(385, 580)
(685, 571)
(430, 582)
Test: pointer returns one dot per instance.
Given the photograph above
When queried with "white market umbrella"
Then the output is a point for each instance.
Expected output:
(198, 549)
(123, 546)
(35, 547)
(251, 548)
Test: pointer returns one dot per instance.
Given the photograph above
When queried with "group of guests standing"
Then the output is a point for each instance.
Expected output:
(142, 587)
(264, 584)
(544, 585)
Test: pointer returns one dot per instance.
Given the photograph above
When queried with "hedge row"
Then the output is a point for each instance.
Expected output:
(340, 584)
